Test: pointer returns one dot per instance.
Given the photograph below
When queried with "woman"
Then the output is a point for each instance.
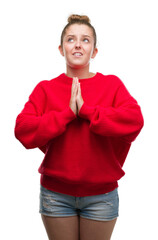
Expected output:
(85, 123)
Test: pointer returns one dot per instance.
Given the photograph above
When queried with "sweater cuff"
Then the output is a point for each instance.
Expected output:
(68, 115)
(86, 111)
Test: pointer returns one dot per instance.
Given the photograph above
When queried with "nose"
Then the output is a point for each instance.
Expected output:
(78, 44)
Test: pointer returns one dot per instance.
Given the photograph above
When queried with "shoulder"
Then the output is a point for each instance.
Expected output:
(111, 79)
(39, 88)
(41, 84)
(44, 84)
(42, 88)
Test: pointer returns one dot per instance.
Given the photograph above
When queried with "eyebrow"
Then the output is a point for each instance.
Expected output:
(71, 35)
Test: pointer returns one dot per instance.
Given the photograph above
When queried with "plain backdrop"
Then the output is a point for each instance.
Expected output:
(128, 47)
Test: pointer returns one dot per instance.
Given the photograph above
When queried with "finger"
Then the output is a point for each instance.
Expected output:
(74, 89)
(79, 88)
(74, 93)
(76, 79)
(73, 84)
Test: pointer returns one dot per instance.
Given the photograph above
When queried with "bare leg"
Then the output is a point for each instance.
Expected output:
(96, 230)
(59, 228)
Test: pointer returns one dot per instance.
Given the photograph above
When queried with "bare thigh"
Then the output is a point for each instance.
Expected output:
(96, 230)
(59, 228)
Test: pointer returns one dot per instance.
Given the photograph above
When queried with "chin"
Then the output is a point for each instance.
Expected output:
(78, 66)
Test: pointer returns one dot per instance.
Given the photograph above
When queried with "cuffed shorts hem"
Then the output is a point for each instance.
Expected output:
(103, 207)
(61, 215)
(90, 218)
(100, 219)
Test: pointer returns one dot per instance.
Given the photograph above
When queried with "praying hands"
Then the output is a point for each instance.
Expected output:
(76, 100)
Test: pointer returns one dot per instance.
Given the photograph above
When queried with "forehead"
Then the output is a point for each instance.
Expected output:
(79, 29)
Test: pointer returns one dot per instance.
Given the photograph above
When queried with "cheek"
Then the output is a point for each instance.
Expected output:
(90, 51)
(67, 49)
(89, 48)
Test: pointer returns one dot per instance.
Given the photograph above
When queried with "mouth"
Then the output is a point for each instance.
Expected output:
(77, 54)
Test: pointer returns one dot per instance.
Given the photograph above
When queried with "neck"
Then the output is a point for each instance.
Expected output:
(81, 73)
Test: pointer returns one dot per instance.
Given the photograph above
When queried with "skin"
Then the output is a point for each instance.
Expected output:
(78, 38)
(77, 228)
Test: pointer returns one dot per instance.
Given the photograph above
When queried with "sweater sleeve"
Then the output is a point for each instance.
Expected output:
(123, 119)
(34, 128)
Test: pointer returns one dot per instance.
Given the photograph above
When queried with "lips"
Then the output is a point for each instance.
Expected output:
(77, 54)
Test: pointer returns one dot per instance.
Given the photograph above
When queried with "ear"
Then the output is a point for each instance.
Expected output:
(61, 50)
(95, 51)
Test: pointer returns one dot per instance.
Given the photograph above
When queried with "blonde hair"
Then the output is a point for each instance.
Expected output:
(79, 19)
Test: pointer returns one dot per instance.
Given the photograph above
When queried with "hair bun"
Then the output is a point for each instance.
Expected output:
(78, 18)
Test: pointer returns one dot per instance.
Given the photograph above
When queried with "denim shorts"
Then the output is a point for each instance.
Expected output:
(102, 207)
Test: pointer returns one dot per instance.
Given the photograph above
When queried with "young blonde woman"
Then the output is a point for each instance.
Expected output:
(85, 123)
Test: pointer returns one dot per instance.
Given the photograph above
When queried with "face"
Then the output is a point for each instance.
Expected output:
(78, 46)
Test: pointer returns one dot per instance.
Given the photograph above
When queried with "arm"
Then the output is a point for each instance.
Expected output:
(123, 119)
(34, 128)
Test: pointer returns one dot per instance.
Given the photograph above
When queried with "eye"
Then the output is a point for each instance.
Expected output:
(70, 39)
(86, 40)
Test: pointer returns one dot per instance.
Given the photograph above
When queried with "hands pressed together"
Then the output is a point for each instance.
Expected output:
(76, 100)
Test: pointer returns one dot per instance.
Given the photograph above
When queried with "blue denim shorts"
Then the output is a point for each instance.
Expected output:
(102, 207)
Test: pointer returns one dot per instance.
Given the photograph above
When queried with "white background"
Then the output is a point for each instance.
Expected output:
(128, 47)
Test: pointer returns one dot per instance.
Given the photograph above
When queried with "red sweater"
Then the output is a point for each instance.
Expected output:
(84, 154)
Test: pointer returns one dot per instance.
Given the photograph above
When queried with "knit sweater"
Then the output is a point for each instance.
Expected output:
(84, 153)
